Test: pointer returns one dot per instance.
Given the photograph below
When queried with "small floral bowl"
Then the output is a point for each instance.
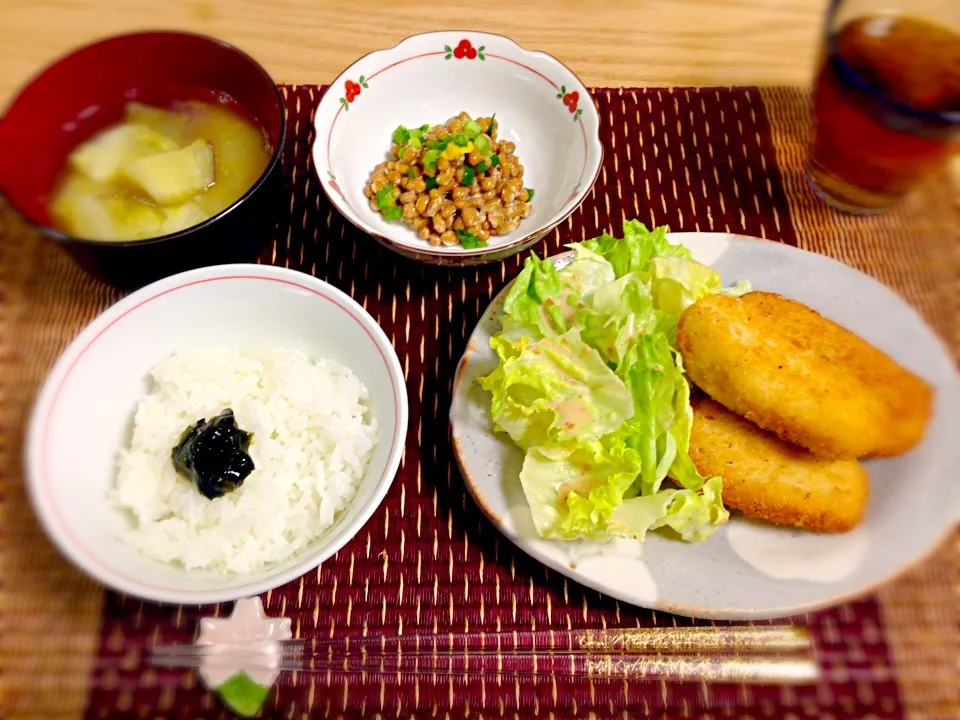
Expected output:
(540, 106)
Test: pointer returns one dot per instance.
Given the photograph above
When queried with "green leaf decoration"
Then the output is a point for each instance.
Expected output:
(242, 695)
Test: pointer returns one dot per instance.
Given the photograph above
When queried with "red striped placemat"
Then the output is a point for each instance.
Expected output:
(724, 159)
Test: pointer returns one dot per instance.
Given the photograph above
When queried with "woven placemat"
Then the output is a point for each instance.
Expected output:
(726, 159)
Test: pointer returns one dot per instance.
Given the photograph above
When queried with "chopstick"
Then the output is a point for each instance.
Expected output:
(605, 667)
(766, 654)
(672, 640)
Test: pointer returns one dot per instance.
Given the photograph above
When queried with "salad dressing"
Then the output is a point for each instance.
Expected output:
(576, 414)
(788, 554)
(579, 484)
(616, 563)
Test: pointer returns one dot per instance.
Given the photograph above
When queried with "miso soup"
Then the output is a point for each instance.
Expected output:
(158, 171)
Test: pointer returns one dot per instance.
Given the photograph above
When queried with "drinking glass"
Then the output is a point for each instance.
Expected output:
(886, 100)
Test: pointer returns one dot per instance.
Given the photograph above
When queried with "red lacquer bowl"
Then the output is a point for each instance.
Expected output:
(87, 90)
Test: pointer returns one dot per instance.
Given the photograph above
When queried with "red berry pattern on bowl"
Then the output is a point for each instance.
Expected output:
(571, 100)
(464, 50)
(351, 90)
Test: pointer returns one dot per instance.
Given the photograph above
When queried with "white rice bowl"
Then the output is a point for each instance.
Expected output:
(313, 436)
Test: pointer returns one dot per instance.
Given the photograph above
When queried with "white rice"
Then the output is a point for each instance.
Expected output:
(313, 436)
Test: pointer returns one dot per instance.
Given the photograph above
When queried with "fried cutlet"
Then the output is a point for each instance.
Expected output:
(773, 480)
(788, 369)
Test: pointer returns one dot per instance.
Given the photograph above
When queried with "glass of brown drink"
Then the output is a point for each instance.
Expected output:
(886, 100)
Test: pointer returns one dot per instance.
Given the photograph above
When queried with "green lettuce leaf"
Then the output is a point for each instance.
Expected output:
(572, 492)
(586, 494)
(657, 385)
(589, 386)
(655, 241)
(538, 303)
(663, 416)
(693, 515)
(573, 489)
(635, 517)
(682, 469)
(554, 391)
(676, 284)
(618, 314)
(542, 301)
(636, 249)
(587, 272)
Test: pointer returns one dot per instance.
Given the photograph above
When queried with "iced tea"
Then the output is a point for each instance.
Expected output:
(886, 109)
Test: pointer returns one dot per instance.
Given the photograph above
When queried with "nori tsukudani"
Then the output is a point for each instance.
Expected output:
(213, 455)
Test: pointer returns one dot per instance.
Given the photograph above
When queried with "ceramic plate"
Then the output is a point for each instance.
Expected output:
(541, 105)
(748, 569)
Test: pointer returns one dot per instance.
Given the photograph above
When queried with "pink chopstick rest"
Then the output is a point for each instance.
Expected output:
(244, 659)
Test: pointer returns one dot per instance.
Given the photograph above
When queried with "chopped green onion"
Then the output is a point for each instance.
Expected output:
(529, 194)
(388, 204)
(468, 176)
(430, 158)
(401, 135)
(483, 166)
(493, 125)
(482, 144)
(424, 128)
(469, 240)
(385, 197)
(411, 173)
(431, 182)
(460, 139)
(415, 142)
(416, 133)
(471, 128)
(495, 161)
(440, 145)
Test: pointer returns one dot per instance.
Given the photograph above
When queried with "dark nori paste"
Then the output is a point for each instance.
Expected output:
(213, 455)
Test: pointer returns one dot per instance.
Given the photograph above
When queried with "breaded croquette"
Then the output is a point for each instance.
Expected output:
(788, 369)
(770, 479)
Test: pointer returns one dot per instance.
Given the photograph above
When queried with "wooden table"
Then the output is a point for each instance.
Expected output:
(618, 43)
